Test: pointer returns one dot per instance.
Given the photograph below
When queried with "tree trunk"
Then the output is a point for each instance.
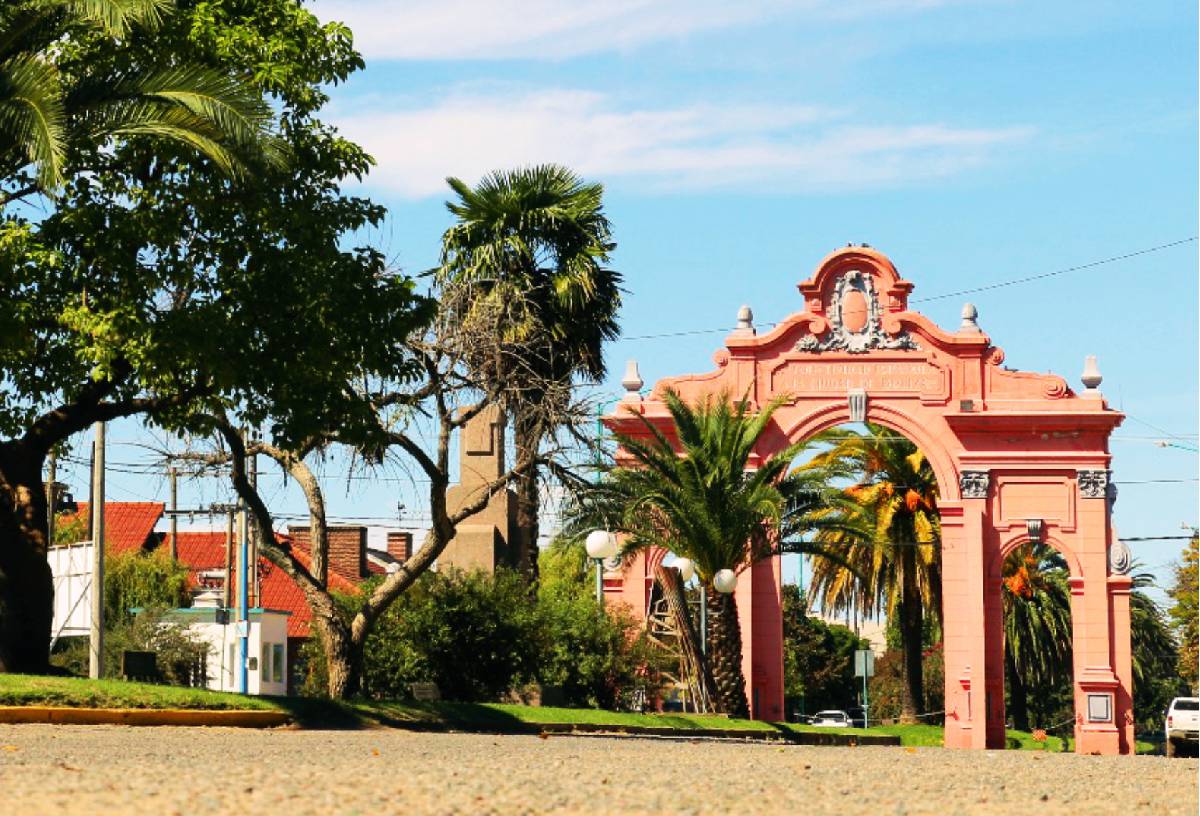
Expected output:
(26, 585)
(725, 654)
(526, 439)
(1018, 695)
(911, 635)
(343, 661)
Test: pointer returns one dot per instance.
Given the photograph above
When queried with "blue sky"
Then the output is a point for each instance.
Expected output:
(973, 142)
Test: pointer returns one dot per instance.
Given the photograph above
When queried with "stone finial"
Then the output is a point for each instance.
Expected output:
(632, 382)
(1091, 377)
(745, 319)
(969, 324)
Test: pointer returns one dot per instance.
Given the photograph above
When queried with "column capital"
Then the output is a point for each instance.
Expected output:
(973, 484)
(1093, 484)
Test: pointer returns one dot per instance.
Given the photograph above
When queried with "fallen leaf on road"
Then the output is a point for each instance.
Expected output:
(11, 748)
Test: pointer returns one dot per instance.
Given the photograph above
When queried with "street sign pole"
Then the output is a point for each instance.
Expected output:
(864, 667)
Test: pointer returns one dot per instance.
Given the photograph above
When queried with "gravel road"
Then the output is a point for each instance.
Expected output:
(113, 769)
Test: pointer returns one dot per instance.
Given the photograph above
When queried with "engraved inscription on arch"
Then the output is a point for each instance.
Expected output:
(894, 378)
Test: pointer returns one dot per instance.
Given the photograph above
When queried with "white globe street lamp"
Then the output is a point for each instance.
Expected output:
(725, 581)
(601, 545)
(686, 568)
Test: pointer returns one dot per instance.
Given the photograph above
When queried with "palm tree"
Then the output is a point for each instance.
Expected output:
(896, 566)
(701, 501)
(1037, 624)
(45, 110)
(531, 246)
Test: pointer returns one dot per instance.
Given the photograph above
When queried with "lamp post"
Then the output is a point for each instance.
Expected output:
(601, 545)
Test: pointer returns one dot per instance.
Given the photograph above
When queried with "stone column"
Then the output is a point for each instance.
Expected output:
(1118, 592)
(760, 614)
(968, 606)
(955, 635)
(1096, 728)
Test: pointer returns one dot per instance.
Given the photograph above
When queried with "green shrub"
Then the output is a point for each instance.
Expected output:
(478, 635)
(475, 635)
(179, 656)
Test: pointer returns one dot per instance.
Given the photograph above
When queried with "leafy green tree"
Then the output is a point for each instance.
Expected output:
(1184, 615)
(51, 104)
(700, 501)
(818, 658)
(138, 580)
(897, 566)
(532, 245)
(157, 287)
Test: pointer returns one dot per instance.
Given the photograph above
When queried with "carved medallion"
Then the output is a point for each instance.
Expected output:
(1093, 484)
(854, 320)
(973, 484)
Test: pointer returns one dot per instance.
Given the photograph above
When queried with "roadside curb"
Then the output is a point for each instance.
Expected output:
(794, 738)
(64, 715)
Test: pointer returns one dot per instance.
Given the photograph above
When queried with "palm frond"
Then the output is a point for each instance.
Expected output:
(32, 115)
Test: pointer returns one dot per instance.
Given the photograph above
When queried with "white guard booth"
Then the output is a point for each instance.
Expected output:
(267, 648)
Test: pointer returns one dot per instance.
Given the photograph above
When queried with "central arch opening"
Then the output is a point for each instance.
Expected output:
(863, 556)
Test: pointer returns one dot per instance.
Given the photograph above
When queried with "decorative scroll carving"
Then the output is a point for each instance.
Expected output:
(973, 484)
(1093, 484)
(1055, 387)
(870, 336)
(1120, 559)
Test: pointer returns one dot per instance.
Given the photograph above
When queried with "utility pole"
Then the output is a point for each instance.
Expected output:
(243, 618)
(227, 585)
(96, 641)
(253, 526)
(174, 475)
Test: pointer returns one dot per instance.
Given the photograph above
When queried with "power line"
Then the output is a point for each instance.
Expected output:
(1042, 276)
(987, 287)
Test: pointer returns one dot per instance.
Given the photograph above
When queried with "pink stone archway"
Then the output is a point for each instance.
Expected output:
(1012, 451)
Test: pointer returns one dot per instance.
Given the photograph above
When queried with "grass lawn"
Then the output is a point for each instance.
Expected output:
(28, 690)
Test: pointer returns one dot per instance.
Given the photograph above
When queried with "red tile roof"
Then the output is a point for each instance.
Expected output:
(206, 551)
(127, 525)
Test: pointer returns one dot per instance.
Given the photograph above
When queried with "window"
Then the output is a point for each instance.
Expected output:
(266, 662)
(277, 673)
(1187, 705)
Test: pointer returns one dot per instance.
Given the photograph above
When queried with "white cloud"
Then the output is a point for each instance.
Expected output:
(786, 148)
(554, 29)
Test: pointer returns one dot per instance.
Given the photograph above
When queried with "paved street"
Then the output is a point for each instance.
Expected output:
(112, 769)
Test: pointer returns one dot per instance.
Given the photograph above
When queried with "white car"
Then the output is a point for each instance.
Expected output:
(831, 719)
(1182, 726)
